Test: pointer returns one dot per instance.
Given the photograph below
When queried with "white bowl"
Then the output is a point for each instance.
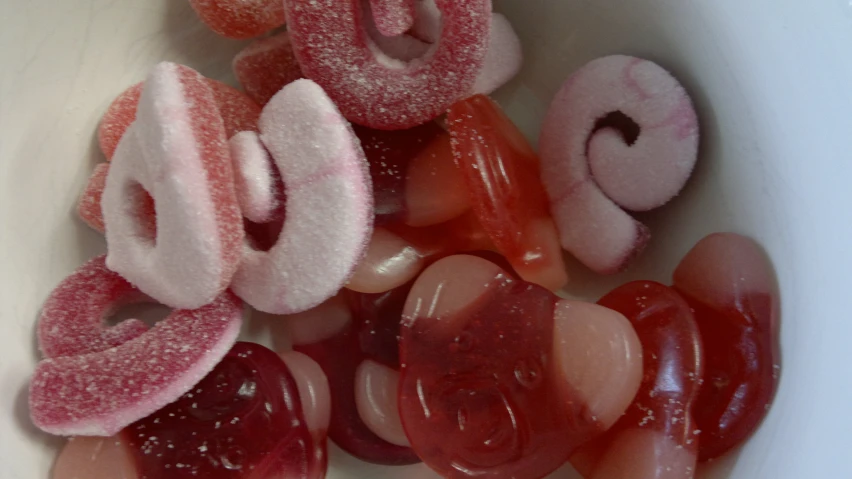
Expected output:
(771, 79)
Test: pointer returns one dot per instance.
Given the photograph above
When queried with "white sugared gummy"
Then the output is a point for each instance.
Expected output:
(329, 208)
(254, 178)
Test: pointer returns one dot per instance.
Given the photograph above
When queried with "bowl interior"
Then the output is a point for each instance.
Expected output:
(770, 80)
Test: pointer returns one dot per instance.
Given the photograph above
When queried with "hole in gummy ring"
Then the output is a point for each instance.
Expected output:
(144, 210)
(144, 309)
(620, 122)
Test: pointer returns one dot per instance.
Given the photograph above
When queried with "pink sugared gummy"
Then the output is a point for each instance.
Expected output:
(178, 152)
(368, 86)
(329, 206)
(239, 113)
(620, 135)
(255, 180)
(265, 66)
(240, 19)
(118, 117)
(98, 394)
(393, 17)
(89, 206)
(72, 321)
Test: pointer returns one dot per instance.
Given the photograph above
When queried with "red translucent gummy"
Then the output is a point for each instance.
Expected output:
(502, 174)
(119, 116)
(730, 284)
(662, 412)
(371, 88)
(265, 66)
(479, 392)
(372, 334)
(244, 420)
(393, 17)
(414, 178)
(240, 18)
(90, 211)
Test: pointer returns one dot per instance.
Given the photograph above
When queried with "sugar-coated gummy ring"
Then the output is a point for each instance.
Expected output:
(372, 89)
(621, 134)
(100, 393)
(176, 151)
(72, 319)
(329, 207)
(240, 19)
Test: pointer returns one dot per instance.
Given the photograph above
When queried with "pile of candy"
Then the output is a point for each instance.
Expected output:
(414, 255)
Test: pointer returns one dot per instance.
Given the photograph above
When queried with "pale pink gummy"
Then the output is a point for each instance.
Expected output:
(590, 175)
(393, 17)
(239, 113)
(177, 151)
(502, 62)
(240, 18)
(98, 394)
(329, 208)
(72, 321)
(374, 90)
(265, 66)
(254, 178)
(89, 206)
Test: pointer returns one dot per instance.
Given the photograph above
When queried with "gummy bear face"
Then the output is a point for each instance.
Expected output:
(244, 420)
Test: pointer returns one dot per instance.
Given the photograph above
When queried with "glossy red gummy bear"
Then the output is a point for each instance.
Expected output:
(500, 379)
(502, 174)
(656, 438)
(729, 282)
(244, 420)
(371, 334)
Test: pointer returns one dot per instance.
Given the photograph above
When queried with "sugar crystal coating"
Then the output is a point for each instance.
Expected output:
(240, 19)
(265, 66)
(178, 152)
(621, 134)
(98, 394)
(89, 205)
(375, 90)
(393, 17)
(72, 321)
(118, 117)
(329, 207)
(255, 178)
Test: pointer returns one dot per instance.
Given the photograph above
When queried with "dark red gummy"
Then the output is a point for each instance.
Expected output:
(483, 402)
(389, 154)
(244, 420)
(372, 334)
(673, 365)
(740, 376)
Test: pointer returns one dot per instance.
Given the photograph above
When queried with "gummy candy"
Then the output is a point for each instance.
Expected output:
(621, 134)
(265, 66)
(98, 394)
(374, 90)
(328, 207)
(178, 153)
(502, 175)
(657, 437)
(240, 19)
(499, 378)
(730, 284)
(259, 191)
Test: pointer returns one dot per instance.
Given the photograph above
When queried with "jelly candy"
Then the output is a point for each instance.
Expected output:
(620, 135)
(89, 206)
(240, 18)
(730, 284)
(393, 17)
(259, 191)
(374, 90)
(415, 180)
(360, 348)
(329, 208)
(239, 113)
(656, 438)
(502, 174)
(265, 66)
(72, 319)
(176, 151)
(398, 253)
(98, 394)
(499, 378)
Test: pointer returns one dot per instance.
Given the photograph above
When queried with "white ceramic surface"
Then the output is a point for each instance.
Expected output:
(771, 79)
